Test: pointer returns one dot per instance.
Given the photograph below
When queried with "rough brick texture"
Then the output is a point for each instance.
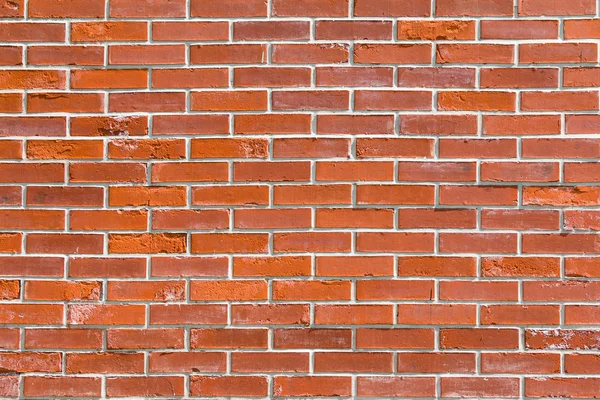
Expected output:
(298, 198)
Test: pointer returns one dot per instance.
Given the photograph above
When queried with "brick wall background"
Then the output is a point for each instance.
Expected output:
(364, 198)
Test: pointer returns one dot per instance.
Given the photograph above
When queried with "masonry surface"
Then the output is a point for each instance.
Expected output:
(297, 198)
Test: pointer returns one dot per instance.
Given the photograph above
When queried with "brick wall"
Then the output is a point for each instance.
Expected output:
(364, 198)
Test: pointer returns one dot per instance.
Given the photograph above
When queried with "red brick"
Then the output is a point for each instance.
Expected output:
(232, 8)
(395, 194)
(32, 32)
(89, 363)
(520, 315)
(301, 242)
(271, 77)
(148, 102)
(65, 55)
(507, 29)
(272, 124)
(557, 53)
(159, 338)
(61, 102)
(269, 362)
(312, 386)
(31, 314)
(166, 54)
(106, 314)
(11, 55)
(436, 77)
(310, 8)
(476, 101)
(519, 78)
(354, 76)
(107, 267)
(311, 148)
(229, 386)
(271, 314)
(480, 387)
(353, 30)
(48, 290)
(10, 9)
(436, 362)
(190, 31)
(271, 30)
(485, 148)
(394, 241)
(487, 8)
(392, 54)
(207, 338)
(144, 386)
(32, 79)
(438, 124)
(369, 100)
(361, 218)
(404, 386)
(66, 9)
(65, 243)
(196, 314)
(117, 31)
(230, 195)
(355, 124)
(484, 291)
(147, 8)
(383, 8)
(404, 338)
(436, 30)
(354, 266)
(271, 172)
(243, 290)
(228, 54)
(436, 266)
(520, 219)
(309, 53)
(479, 338)
(312, 194)
(59, 386)
(147, 243)
(207, 243)
(71, 338)
(478, 195)
(109, 79)
(187, 362)
(513, 363)
(351, 171)
(478, 243)
(189, 266)
(310, 100)
(561, 387)
(109, 126)
(195, 172)
(559, 101)
(272, 266)
(354, 314)
(474, 54)
(190, 124)
(538, 7)
(312, 338)
(581, 267)
(581, 28)
(394, 290)
(353, 362)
